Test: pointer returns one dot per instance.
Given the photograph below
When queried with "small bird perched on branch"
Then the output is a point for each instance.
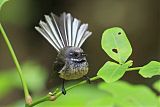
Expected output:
(66, 34)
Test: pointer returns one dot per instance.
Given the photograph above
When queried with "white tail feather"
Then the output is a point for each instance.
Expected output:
(69, 28)
(56, 25)
(63, 26)
(81, 31)
(47, 37)
(85, 36)
(54, 36)
(63, 31)
(49, 33)
(75, 26)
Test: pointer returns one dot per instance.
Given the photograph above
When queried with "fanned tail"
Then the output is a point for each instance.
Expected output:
(63, 31)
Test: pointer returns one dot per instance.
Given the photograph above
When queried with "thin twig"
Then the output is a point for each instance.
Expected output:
(19, 70)
(55, 96)
(134, 69)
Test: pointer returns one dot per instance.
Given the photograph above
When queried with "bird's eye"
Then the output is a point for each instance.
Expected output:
(74, 54)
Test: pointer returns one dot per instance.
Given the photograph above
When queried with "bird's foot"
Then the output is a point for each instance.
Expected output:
(87, 79)
(63, 89)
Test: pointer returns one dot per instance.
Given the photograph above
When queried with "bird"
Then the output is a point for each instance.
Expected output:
(66, 34)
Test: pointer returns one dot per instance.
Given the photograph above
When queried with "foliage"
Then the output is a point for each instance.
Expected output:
(156, 85)
(117, 94)
(32, 70)
(130, 95)
(151, 69)
(2, 2)
(117, 71)
(116, 45)
(106, 94)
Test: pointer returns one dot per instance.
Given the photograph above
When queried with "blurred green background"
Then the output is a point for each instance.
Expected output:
(139, 18)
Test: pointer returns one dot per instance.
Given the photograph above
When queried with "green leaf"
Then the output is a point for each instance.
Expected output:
(117, 94)
(74, 99)
(2, 2)
(111, 71)
(5, 82)
(151, 69)
(156, 85)
(116, 45)
(35, 75)
(158, 100)
(104, 101)
(127, 95)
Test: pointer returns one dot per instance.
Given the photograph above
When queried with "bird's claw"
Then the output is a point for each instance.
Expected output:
(88, 79)
(63, 91)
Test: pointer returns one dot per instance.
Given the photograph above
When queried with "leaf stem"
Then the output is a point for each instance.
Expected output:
(80, 83)
(19, 70)
(134, 69)
(43, 99)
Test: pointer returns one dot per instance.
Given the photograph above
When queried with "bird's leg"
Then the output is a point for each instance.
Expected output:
(88, 79)
(63, 89)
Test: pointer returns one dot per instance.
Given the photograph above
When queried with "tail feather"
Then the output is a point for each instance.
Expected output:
(63, 28)
(85, 36)
(69, 19)
(75, 27)
(53, 32)
(42, 31)
(57, 27)
(81, 32)
(49, 31)
(63, 31)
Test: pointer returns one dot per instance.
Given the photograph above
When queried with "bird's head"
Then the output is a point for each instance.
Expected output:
(74, 54)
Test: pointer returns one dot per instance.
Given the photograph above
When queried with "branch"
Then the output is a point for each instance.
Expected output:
(28, 98)
(53, 96)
